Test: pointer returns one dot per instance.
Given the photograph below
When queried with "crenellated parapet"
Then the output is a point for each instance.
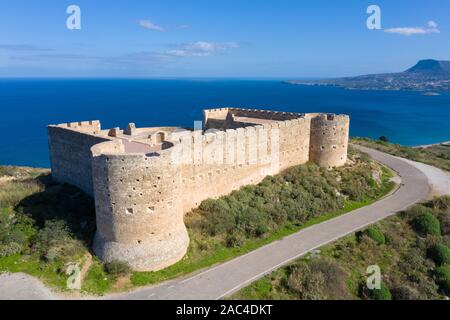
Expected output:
(145, 179)
(89, 126)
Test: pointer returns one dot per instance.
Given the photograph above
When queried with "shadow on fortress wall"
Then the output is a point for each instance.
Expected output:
(61, 202)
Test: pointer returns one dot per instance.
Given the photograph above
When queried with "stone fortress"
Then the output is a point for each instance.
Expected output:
(144, 180)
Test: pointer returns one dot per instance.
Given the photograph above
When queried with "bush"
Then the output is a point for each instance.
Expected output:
(10, 249)
(306, 283)
(440, 254)
(375, 234)
(443, 278)
(117, 268)
(55, 242)
(290, 198)
(234, 240)
(441, 203)
(383, 139)
(405, 293)
(415, 211)
(445, 223)
(378, 294)
(219, 218)
(318, 279)
(427, 224)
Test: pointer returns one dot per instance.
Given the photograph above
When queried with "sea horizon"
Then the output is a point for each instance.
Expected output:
(29, 105)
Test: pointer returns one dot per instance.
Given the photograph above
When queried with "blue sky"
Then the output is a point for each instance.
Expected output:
(219, 38)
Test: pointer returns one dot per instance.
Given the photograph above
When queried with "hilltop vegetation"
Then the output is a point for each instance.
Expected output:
(46, 227)
(437, 155)
(411, 249)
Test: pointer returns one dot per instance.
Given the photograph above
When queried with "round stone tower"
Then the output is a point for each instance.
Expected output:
(329, 139)
(138, 207)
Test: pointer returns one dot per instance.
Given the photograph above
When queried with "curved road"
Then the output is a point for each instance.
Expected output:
(224, 279)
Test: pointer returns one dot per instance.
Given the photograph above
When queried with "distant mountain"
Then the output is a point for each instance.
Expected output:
(426, 75)
(431, 68)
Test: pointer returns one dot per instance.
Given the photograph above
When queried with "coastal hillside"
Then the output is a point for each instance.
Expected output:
(45, 227)
(434, 155)
(411, 249)
(427, 75)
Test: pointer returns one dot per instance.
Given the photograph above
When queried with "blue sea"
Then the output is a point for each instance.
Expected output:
(28, 106)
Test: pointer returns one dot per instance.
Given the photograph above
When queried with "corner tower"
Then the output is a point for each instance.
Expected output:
(329, 139)
(138, 207)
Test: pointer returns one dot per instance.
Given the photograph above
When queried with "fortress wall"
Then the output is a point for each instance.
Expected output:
(220, 162)
(329, 139)
(138, 208)
(142, 193)
(265, 114)
(294, 142)
(222, 118)
(70, 153)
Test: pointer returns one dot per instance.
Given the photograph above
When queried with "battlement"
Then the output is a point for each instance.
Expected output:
(93, 125)
(143, 180)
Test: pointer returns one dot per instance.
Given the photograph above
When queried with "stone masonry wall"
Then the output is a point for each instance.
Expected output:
(70, 152)
(329, 140)
(138, 208)
(141, 198)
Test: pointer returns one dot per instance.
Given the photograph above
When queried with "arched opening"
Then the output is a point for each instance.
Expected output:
(158, 138)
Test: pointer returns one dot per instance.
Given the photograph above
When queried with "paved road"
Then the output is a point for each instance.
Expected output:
(20, 286)
(223, 280)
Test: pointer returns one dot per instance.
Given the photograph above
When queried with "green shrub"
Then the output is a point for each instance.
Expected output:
(378, 294)
(308, 285)
(55, 242)
(375, 234)
(415, 211)
(234, 240)
(440, 254)
(445, 222)
(292, 197)
(355, 185)
(17, 236)
(318, 279)
(443, 278)
(117, 268)
(9, 249)
(441, 203)
(405, 293)
(427, 224)
(218, 215)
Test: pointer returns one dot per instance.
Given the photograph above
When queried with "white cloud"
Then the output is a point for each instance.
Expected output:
(147, 24)
(201, 49)
(432, 24)
(432, 27)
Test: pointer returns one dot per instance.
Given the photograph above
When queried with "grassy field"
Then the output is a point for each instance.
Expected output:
(438, 155)
(413, 257)
(46, 227)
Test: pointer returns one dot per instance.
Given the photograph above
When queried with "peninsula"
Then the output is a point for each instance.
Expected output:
(427, 75)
